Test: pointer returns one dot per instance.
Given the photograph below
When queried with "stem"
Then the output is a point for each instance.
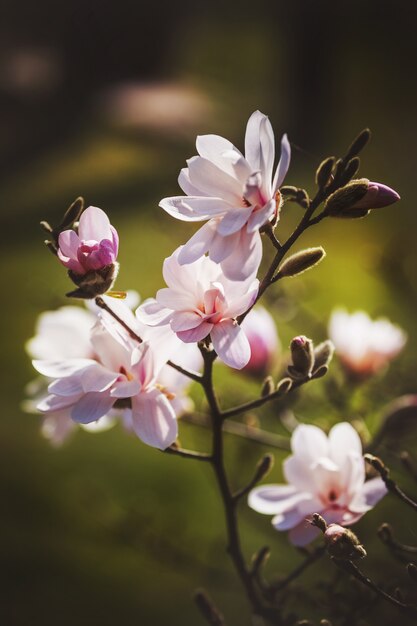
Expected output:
(102, 305)
(390, 484)
(229, 502)
(188, 454)
(297, 571)
(351, 568)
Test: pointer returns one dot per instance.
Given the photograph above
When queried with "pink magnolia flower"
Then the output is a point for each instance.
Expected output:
(200, 301)
(325, 475)
(85, 389)
(261, 332)
(237, 195)
(93, 248)
(364, 346)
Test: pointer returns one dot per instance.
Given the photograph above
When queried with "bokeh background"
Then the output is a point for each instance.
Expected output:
(104, 99)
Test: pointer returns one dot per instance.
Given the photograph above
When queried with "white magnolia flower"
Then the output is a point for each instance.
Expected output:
(325, 475)
(72, 335)
(201, 301)
(260, 329)
(237, 194)
(364, 345)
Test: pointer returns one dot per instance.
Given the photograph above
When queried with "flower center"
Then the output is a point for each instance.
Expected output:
(128, 375)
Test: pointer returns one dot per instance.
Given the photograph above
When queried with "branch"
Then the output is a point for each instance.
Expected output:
(310, 559)
(390, 484)
(102, 305)
(262, 469)
(188, 454)
(353, 570)
(208, 610)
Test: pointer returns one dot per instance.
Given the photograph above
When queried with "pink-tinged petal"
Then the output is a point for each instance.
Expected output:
(69, 243)
(194, 208)
(69, 386)
(94, 225)
(152, 313)
(185, 320)
(259, 144)
(262, 216)
(153, 419)
(50, 404)
(91, 407)
(97, 378)
(309, 443)
(373, 491)
(115, 240)
(185, 184)
(195, 334)
(125, 389)
(198, 244)
(214, 181)
(234, 220)
(57, 427)
(240, 303)
(271, 499)
(231, 344)
(283, 165)
(212, 147)
(60, 369)
(303, 534)
(245, 259)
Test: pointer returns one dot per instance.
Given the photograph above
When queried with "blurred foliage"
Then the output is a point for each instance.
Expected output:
(105, 530)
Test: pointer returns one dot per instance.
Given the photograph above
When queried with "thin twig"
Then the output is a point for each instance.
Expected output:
(188, 454)
(208, 610)
(351, 568)
(390, 484)
(310, 559)
(102, 305)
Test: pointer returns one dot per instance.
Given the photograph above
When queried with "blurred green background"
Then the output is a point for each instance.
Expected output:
(104, 99)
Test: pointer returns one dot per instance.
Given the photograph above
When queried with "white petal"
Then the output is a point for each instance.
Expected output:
(261, 216)
(271, 499)
(303, 534)
(68, 386)
(259, 144)
(298, 474)
(125, 389)
(214, 181)
(231, 344)
(373, 490)
(198, 244)
(193, 335)
(194, 208)
(97, 378)
(234, 220)
(283, 165)
(152, 313)
(343, 439)
(60, 369)
(222, 247)
(287, 520)
(246, 257)
(175, 300)
(50, 404)
(153, 419)
(94, 225)
(309, 443)
(91, 407)
(185, 184)
(185, 320)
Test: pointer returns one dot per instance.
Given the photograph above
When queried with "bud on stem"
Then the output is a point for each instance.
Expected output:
(300, 262)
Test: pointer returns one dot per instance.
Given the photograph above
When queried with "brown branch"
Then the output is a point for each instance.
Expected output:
(390, 484)
(188, 454)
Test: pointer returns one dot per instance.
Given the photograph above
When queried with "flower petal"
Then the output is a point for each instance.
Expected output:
(94, 225)
(262, 216)
(234, 220)
(152, 313)
(91, 407)
(194, 208)
(283, 165)
(195, 334)
(153, 419)
(246, 257)
(271, 499)
(214, 181)
(309, 443)
(231, 343)
(303, 534)
(198, 244)
(60, 369)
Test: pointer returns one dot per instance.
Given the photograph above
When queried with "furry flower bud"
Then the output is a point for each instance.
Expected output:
(342, 543)
(302, 353)
(376, 197)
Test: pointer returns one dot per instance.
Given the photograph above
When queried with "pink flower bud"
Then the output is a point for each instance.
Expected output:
(262, 334)
(93, 248)
(376, 197)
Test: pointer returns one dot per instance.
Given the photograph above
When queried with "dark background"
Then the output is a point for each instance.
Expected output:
(104, 99)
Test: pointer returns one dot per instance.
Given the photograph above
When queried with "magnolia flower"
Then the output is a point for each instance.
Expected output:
(87, 389)
(200, 301)
(93, 248)
(237, 195)
(325, 475)
(260, 329)
(364, 346)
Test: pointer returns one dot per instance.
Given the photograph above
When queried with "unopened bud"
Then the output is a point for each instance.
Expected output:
(264, 466)
(343, 544)
(259, 558)
(207, 608)
(358, 144)
(385, 533)
(350, 171)
(323, 354)
(302, 354)
(94, 283)
(267, 386)
(345, 198)
(301, 261)
(320, 372)
(324, 171)
(71, 215)
(377, 196)
(319, 522)
(284, 385)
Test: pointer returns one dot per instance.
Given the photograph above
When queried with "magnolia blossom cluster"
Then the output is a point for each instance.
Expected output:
(102, 364)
